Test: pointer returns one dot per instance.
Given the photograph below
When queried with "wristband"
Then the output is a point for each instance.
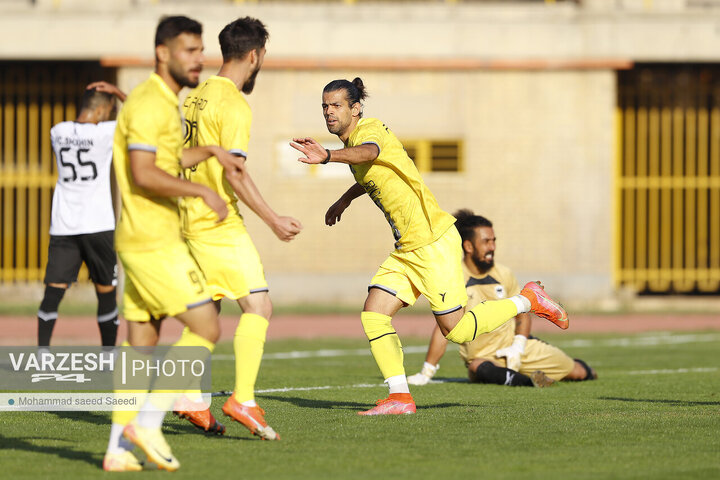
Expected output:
(327, 159)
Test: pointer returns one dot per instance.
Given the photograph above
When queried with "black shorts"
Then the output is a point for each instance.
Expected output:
(67, 253)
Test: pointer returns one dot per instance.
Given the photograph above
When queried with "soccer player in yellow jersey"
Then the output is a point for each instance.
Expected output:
(161, 277)
(216, 113)
(427, 256)
(508, 355)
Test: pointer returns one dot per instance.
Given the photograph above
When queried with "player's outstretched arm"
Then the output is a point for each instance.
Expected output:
(336, 210)
(316, 153)
(513, 353)
(436, 350)
(284, 228)
(160, 183)
(107, 88)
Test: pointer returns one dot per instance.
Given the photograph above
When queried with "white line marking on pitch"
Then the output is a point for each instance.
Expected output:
(439, 381)
(646, 341)
(674, 370)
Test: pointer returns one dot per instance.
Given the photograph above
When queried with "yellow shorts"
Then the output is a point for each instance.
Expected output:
(162, 282)
(231, 265)
(538, 355)
(434, 271)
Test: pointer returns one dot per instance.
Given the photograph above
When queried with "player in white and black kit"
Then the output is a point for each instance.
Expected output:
(83, 222)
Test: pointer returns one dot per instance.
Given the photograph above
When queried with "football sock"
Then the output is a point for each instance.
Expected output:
(522, 303)
(118, 443)
(123, 417)
(484, 317)
(152, 413)
(384, 343)
(248, 344)
(488, 372)
(398, 384)
(107, 317)
(48, 313)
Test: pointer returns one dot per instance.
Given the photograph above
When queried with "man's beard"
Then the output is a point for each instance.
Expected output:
(482, 265)
(248, 86)
(182, 79)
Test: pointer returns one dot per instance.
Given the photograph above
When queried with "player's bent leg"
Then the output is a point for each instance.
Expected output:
(482, 370)
(463, 326)
(107, 314)
(581, 371)
(48, 311)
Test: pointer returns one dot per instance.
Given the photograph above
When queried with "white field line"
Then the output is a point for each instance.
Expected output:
(626, 342)
(672, 371)
(375, 385)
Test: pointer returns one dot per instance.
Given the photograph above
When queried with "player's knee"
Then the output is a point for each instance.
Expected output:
(480, 371)
(51, 298)
(581, 371)
(258, 303)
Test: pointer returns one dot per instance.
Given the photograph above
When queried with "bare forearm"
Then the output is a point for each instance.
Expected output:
(353, 192)
(249, 194)
(194, 155)
(437, 347)
(162, 184)
(523, 324)
(355, 155)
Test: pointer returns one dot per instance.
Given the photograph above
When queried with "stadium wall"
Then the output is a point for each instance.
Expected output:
(529, 89)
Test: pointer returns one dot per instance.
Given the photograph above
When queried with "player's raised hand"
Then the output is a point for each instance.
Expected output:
(334, 213)
(107, 88)
(513, 353)
(314, 152)
(214, 201)
(286, 228)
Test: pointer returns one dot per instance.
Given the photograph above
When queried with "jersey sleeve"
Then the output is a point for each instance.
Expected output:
(235, 129)
(144, 131)
(372, 133)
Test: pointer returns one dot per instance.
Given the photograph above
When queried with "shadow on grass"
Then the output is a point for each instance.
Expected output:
(677, 403)
(335, 405)
(308, 403)
(87, 417)
(27, 444)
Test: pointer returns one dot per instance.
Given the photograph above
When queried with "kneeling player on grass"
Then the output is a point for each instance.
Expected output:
(427, 257)
(508, 355)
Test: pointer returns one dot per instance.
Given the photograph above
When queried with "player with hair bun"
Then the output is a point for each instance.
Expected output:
(428, 256)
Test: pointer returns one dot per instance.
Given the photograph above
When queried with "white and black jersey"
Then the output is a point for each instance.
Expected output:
(82, 202)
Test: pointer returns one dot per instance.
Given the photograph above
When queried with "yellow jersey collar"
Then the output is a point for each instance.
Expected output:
(160, 83)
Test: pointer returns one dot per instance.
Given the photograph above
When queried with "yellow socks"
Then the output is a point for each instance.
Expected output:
(484, 317)
(249, 343)
(384, 343)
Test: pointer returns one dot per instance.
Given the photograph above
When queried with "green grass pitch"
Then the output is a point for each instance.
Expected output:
(654, 413)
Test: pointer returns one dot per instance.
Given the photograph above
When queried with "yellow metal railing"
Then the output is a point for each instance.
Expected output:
(33, 97)
(667, 184)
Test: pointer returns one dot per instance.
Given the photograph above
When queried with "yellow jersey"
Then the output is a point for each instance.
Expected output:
(149, 120)
(393, 182)
(216, 113)
(498, 283)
